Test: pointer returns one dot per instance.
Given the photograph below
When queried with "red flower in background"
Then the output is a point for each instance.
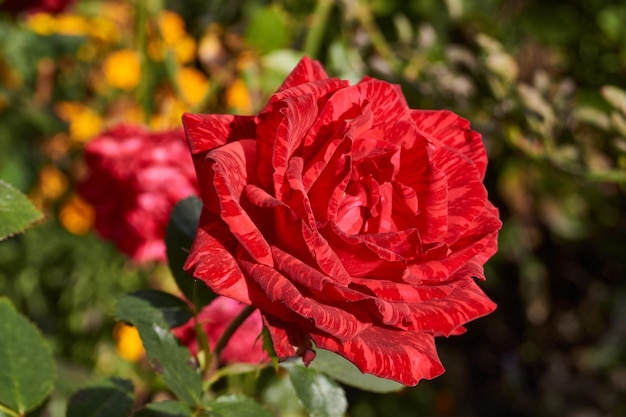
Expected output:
(348, 219)
(135, 177)
(33, 6)
(245, 345)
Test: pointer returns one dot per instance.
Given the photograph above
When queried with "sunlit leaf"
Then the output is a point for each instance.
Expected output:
(344, 371)
(17, 213)
(234, 405)
(320, 395)
(27, 370)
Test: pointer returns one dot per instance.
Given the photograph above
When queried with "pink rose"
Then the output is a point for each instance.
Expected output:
(350, 220)
(245, 345)
(135, 178)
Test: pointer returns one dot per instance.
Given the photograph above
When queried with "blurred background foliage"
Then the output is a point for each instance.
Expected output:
(542, 81)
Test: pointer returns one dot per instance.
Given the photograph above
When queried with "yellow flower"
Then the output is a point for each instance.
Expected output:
(185, 49)
(42, 24)
(69, 24)
(238, 98)
(76, 216)
(193, 85)
(104, 30)
(173, 37)
(122, 69)
(171, 26)
(128, 343)
(84, 122)
(52, 181)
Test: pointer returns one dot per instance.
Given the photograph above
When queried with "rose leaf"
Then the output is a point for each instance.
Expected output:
(234, 405)
(27, 373)
(347, 373)
(165, 354)
(181, 231)
(320, 395)
(165, 409)
(17, 213)
(108, 397)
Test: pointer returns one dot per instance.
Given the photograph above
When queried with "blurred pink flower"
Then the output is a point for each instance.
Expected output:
(245, 346)
(135, 177)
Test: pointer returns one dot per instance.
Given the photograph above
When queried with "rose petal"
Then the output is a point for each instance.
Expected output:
(404, 356)
(454, 132)
(280, 133)
(314, 315)
(230, 164)
(306, 71)
(208, 131)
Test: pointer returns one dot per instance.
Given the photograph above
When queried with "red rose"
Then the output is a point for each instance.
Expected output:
(135, 179)
(348, 219)
(33, 6)
(245, 346)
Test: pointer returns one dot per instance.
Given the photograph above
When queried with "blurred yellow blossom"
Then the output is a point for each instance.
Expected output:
(238, 97)
(122, 69)
(52, 182)
(104, 30)
(127, 342)
(70, 24)
(171, 110)
(42, 24)
(173, 37)
(84, 122)
(171, 26)
(193, 85)
(76, 216)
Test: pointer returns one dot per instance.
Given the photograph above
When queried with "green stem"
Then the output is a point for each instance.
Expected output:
(317, 28)
(143, 91)
(231, 329)
(204, 352)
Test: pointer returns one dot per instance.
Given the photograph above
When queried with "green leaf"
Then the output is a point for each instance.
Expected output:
(27, 372)
(320, 395)
(175, 311)
(105, 398)
(166, 355)
(344, 371)
(17, 213)
(234, 405)
(181, 231)
(165, 409)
